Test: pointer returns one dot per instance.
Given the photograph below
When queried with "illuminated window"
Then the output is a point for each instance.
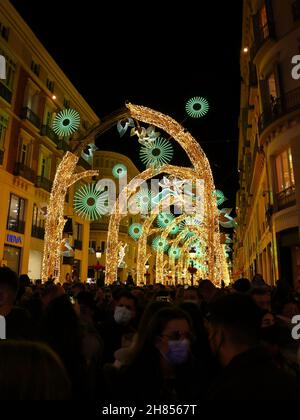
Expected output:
(284, 170)
(16, 213)
(3, 127)
(263, 22)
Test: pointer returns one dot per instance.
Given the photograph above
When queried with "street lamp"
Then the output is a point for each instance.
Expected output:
(147, 266)
(98, 254)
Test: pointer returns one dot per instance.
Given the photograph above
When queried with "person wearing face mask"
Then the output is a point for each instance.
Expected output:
(248, 372)
(163, 368)
(123, 317)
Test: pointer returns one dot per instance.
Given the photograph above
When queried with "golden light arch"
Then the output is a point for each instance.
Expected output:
(203, 171)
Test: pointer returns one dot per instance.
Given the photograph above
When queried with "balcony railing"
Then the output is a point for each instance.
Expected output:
(24, 171)
(82, 162)
(77, 244)
(37, 232)
(29, 115)
(47, 131)
(281, 106)
(296, 10)
(1, 156)
(42, 182)
(286, 198)
(16, 225)
(5, 93)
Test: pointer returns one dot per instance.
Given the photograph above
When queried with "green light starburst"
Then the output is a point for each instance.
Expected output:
(164, 220)
(90, 203)
(160, 244)
(135, 230)
(119, 170)
(157, 154)
(66, 122)
(197, 107)
(174, 230)
(220, 197)
(174, 252)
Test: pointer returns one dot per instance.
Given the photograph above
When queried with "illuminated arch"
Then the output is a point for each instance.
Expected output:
(203, 171)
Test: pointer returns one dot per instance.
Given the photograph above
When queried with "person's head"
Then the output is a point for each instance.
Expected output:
(207, 290)
(241, 285)
(258, 281)
(24, 280)
(125, 307)
(169, 332)
(191, 295)
(51, 292)
(233, 324)
(262, 298)
(86, 304)
(31, 371)
(9, 284)
(290, 309)
(77, 288)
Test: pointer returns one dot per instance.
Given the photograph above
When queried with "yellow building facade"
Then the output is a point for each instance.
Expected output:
(34, 90)
(268, 201)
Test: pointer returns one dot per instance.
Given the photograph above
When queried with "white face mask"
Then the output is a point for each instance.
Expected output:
(122, 315)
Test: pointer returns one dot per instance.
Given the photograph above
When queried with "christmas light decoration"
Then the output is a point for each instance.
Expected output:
(119, 170)
(122, 125)
(143, 200)
(197, 107)
(174, 252)
(220, 197)
(135, 230)
(89, 202)
(158, 153)
(164, 219)
(66, 122)
(160, 244)
(55, 221)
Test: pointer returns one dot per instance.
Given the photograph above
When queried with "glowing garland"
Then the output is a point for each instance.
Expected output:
(164, 219)
(119, 170)
(66, 122)
(158, 153)
(197, 107)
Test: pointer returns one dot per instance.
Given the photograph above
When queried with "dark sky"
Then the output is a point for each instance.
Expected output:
(153, 57)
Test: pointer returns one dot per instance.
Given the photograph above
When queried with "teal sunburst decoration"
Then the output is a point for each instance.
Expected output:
(66, 122)
(135, 230)
(90, 203)
(164, 219)
(197, 107)
(119, 170)
(174, 252)
(157, 154)
(160, 244)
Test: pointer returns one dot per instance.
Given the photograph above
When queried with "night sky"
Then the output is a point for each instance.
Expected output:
(152, 57)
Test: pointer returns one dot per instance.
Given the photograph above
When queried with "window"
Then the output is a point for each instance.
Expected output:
(3, 127)
(102, 246)
(25, 152)
(44, 165)
(92, 245)
(263, 22)
(16, 214)
(4, 31)
(78, 231)
(10, 72)
(35, 68)
(284, 170)
(37, 218)
(50, 85)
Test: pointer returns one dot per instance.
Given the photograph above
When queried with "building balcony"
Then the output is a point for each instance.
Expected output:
(16, 225)
(42, 182)
(83, 163)
(5, 93)
(1, 156)
(281, 106)
(46, 130)
(286, 198)
(24, 171)
(77, 244)
(29, 115)
(37, 232)
(296, 10)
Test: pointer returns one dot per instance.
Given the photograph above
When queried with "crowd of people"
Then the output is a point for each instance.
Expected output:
(153, 344)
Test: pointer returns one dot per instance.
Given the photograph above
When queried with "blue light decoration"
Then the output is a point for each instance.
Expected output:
(122, 125)
(157, 153)
(220, 197)
(164, 219)
(174, 252)
(197, 107)
(89, 203)
(66, 122)
(135, 230)
(160, 244)
(119, 170)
